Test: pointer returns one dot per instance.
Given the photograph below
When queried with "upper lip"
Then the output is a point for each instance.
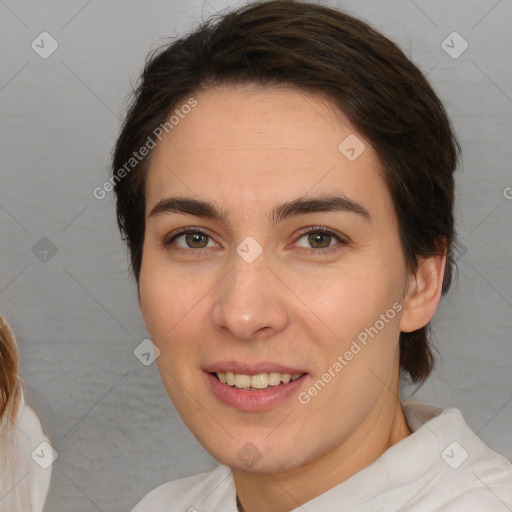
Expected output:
(252, 368)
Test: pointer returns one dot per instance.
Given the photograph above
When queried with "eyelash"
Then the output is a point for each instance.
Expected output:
(315, 229)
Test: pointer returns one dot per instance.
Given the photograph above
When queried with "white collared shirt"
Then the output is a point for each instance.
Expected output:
(441, 466)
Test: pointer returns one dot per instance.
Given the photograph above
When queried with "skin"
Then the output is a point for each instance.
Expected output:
(248, 149)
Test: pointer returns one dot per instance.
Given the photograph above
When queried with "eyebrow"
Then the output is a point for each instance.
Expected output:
(200, 208)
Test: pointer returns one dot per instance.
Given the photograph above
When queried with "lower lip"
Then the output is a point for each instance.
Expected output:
(247, 400)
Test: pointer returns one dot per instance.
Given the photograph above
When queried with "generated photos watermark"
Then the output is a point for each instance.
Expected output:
(150, 143)
(304, 397)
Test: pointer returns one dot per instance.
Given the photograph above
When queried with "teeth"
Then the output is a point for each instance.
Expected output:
(259, 381)
(274, 378)
(242, 381)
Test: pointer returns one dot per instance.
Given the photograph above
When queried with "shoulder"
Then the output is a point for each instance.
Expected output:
(34, 453)
(29, 423)
(483, 480)
(485, 485)
(468, 475)
(190, 493)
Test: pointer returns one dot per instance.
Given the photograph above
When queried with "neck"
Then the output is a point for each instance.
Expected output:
(287, 490)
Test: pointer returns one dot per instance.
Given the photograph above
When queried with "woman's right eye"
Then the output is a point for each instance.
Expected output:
(192, 238)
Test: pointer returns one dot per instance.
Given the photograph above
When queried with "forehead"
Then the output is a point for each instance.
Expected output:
(262, 145)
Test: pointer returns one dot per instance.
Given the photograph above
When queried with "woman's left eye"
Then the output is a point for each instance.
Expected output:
(319, 238)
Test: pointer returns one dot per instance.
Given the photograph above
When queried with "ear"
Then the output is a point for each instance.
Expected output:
(423, 293)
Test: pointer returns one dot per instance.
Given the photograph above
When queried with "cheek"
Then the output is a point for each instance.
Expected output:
(349, 300)
(175, 313)
(359, 310)
(170, 306)
(166, 297)
(157, 307)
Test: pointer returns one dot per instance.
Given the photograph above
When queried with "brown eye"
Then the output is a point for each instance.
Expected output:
(192, 238)
(320, 240)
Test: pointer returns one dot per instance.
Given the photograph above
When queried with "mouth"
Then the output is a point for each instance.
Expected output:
(256, 382)
(254, 387)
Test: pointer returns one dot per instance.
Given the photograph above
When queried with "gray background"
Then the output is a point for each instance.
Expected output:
(76, 315)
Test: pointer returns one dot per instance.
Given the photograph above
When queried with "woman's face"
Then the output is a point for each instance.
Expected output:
(254, 293)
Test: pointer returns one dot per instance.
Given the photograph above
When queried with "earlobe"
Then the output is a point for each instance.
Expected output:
(423, 294)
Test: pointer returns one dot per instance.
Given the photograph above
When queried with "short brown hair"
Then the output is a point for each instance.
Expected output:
(324, 51)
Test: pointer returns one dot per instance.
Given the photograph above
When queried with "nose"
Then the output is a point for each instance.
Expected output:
(250, 302)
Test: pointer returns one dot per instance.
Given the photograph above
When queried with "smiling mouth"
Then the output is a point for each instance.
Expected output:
(256, 382)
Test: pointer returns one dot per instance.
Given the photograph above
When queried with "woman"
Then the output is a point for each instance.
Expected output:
(284, 181)
(24, 483)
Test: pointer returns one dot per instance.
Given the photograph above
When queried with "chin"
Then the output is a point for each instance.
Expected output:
(250, 458)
